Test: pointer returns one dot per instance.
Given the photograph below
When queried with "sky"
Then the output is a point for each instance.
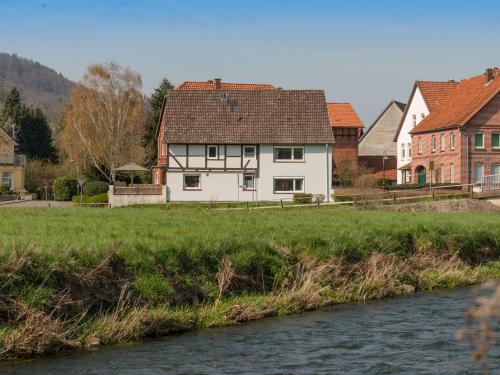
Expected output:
(359, 51)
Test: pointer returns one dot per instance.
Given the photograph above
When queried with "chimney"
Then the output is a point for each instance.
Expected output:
(489, 74)
(217, 83)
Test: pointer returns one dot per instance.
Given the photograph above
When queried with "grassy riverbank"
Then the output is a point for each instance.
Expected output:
(73, 278)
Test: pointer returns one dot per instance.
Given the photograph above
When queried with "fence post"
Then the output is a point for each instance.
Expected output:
(247, 205)
(317, 201)
(432, 192)
(281, 203)
(394, 197)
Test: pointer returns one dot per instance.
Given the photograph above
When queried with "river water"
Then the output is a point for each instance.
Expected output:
(405, 335)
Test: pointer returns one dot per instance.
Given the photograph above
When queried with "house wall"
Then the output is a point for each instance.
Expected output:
(380, 137)
(441, 158)
(225, 185)
(346, 147)
(6, 166)
(416, 107)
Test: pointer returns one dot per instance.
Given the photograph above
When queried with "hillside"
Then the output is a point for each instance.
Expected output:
(39, 85)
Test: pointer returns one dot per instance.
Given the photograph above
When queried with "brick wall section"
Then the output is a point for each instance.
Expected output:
(486, 121)
(345, 146)
(373, 164)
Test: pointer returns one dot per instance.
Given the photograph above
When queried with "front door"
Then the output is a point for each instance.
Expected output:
(421, 176)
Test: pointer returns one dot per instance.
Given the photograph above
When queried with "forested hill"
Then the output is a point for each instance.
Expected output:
(39, 85)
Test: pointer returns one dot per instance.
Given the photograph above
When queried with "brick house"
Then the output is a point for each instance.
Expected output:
(461, 138)
(347, 129)
(378, 141)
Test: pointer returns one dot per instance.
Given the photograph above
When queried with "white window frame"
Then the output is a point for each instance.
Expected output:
(216, 152)
(442, 140)
(294, 185)
(189, 175)
(442, 173)
(452, 141)
(403, 151)
(253, 180)
(292, 160)
(495, 147)
(420, 145)
(7, 181)
(414, 120)
(452, 173)
(433, 143)
(482, 136)
(409, 150)
(476, 180)
(254, 152)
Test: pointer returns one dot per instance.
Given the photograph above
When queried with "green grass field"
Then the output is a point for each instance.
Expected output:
(67, 265)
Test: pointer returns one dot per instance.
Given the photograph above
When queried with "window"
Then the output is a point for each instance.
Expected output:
(441, 142)
(192, 182)
(403, 151)
(248, 181)
(452, 141)
(422, 115)
(452, 173)
(7, 179)
(249, 152)
(289, 154)
(433, 143)
(414, 120)
(495, 140)
(495, 170)
(478, 172)
(213, 152)
(408, 177)
(441, 173)
(409, 150)
(288, 185)
(479, 140)
(420, 145)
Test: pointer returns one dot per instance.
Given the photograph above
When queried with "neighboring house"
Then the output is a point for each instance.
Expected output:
(378, 142)
(11, 164)
(244, 145)
(217, 84)
(347, 128)
(424, 98)
(461, 139)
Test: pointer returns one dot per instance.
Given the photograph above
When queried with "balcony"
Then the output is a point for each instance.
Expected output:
(12, 159)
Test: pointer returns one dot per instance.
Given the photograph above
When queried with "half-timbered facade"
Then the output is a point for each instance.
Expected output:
(220, 145)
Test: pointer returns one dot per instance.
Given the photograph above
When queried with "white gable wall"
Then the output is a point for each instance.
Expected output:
(416, 107)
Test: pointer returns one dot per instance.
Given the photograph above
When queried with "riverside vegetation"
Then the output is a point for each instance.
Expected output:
(72, 279)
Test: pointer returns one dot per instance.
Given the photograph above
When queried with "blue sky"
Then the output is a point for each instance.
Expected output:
(361, 51)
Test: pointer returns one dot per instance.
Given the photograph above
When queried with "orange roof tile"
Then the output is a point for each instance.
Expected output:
(210, 85)
(343, 115)
(464, 102)
(435, 92)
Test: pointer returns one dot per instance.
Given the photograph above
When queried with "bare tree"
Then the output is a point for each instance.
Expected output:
(104, 120)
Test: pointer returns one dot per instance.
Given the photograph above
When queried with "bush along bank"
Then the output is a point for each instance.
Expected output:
(54, 302)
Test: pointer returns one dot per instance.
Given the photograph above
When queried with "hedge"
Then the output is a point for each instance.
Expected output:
(92, 188)
(65, 188)
(95, 199)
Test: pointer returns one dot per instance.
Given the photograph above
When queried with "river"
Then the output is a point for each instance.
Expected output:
(405, 335)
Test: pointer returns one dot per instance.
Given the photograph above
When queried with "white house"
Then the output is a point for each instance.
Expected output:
(221, 145)
(424, 98)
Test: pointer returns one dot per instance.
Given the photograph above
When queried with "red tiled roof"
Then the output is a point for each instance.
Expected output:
(464, 102)
(343, 114)
(435, 92)
(211, 85)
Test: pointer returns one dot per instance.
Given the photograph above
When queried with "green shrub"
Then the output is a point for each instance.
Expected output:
(97, 199)
(65, 188)
(92, 188)
(31, 186)
(4, 189)
(302, 198)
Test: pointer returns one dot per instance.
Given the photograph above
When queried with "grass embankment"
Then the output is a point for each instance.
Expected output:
(74, 278)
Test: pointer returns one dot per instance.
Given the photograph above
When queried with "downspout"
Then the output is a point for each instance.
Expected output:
(328, 183)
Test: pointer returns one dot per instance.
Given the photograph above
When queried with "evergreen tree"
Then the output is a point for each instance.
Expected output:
(11, 106)
(156, 103)
(33, 135)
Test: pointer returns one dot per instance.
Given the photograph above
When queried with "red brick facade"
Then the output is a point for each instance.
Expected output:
(462, 159)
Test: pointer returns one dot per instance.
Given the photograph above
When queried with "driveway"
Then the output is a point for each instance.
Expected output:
(41, 204)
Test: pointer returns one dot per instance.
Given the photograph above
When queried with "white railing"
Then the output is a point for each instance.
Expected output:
(491, 182)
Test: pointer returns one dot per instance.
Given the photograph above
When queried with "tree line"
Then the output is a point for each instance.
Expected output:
(108, 122)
